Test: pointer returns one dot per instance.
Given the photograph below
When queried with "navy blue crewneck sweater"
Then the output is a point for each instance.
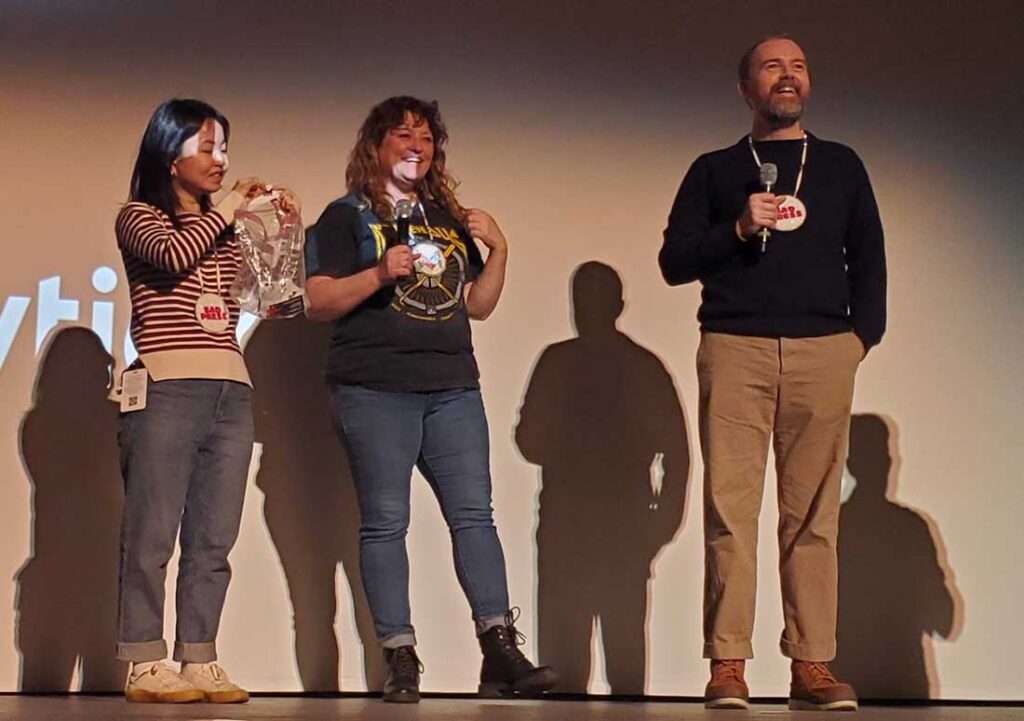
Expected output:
(824, 278)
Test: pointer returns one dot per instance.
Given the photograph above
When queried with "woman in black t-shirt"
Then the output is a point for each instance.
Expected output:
(403, 381)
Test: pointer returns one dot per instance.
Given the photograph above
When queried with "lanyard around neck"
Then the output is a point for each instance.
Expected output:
(216, 264)
(803, 161)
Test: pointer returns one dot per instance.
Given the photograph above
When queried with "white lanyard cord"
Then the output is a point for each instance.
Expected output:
(216, 264)
(803, 161)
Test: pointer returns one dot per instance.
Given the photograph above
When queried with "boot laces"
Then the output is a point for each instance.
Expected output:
(512, 639)
(511, 616)
(729, 669)
(405, 662)
(820, 672)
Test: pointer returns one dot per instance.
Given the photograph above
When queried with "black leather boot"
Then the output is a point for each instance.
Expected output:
(403, 682)
(506, 671)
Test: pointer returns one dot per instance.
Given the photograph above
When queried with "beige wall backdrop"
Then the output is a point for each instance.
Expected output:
(572, 123)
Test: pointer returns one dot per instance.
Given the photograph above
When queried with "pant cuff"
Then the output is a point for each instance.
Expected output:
(485, 624)
(399, 640)
(817, 652)
(723, 650)
(195, 652)
(142, 651)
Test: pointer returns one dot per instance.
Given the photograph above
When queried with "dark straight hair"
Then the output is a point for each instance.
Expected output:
(174, 122)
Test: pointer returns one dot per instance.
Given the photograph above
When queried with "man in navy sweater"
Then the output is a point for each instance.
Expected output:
(793, 297)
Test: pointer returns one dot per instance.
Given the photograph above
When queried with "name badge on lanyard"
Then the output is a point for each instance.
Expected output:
(792, 211)
(211, 310)
(792, 214)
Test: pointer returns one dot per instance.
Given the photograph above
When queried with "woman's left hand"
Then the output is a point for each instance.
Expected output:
(287, 200)
(484, 228)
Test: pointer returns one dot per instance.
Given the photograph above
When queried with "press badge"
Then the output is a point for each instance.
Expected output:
(133, 390)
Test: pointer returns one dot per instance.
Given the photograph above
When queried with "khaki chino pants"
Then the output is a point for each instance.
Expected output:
(796, 393)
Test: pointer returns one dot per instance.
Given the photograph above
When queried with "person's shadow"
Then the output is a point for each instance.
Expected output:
(309, 500)
(67, 589)
(895, 589)
(602, 418)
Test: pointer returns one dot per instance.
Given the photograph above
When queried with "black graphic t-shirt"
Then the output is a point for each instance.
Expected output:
(410, 337)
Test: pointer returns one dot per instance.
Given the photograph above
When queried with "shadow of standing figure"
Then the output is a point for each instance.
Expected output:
(309, 501)
(895, 589)
(67, 590)
(602, 418)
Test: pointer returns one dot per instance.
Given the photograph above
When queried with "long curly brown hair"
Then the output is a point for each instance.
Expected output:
(363, 174)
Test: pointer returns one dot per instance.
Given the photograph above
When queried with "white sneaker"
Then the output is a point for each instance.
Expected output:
(160, 684)
(213, 682)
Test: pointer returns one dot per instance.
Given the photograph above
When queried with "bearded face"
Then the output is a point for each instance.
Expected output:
(779, 85)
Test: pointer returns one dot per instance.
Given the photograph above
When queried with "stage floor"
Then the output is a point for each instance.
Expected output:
(113, 708)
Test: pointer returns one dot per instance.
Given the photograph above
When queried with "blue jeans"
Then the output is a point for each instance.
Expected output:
(185, 460)
(444, 434)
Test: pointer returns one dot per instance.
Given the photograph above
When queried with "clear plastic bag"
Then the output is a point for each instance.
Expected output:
(270, 281)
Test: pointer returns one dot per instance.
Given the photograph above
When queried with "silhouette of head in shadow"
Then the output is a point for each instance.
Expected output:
(309, 501)
(602, 418)
(597, 300)
(896, 591)
(67, 589)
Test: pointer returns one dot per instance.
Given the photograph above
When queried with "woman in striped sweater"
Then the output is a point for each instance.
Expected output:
(185, 453)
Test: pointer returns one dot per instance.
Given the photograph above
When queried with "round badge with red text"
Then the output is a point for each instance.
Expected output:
(212, 313)
(792, 214)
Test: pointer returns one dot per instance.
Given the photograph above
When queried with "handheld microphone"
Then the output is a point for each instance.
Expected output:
(769, 176)
(403, 212)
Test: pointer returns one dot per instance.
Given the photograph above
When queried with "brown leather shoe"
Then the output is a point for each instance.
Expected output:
(814, 688)
(727, 689)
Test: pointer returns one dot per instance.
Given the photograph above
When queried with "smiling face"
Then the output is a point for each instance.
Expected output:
(200, 168)
(778, 84)
(406, 153)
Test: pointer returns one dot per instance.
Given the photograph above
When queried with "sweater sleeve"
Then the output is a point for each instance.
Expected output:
(143, 231)
(692, 245)
(865, 263)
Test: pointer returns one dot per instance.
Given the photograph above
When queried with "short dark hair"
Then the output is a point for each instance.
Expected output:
(748, 56)
(174, 122)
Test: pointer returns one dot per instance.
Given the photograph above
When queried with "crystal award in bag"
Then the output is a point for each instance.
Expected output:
(270, 280)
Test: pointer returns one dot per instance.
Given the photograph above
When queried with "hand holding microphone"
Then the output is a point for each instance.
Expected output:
(396, 263)
(762, 209)
(398, 260)
(769, 176)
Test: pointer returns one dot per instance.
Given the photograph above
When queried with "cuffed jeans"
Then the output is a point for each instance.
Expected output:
(185, 460)
(444, 434)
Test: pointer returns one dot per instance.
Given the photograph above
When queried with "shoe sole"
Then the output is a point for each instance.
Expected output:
(796, 704)
(138, 696)
(535, 684)
(728, 702)
(401, 697)
(227, 696)
(526, 688)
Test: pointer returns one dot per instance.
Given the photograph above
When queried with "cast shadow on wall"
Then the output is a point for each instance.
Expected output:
(309, 501)
(896, 590)
(603, 420)
(67, 590)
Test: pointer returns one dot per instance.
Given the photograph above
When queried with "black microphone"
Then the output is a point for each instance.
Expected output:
(403, 212)
(769, 176)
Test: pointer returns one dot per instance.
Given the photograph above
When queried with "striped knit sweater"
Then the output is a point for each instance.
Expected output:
(163, 265)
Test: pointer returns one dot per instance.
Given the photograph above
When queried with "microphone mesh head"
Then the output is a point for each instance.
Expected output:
(769, 174)
(403, 208)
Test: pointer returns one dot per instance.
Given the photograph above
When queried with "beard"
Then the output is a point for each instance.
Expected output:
(782, 112)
